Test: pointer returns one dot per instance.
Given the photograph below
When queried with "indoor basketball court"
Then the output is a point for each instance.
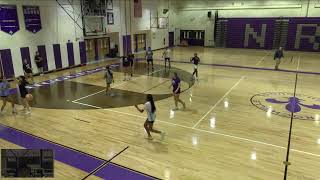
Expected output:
(252, 105)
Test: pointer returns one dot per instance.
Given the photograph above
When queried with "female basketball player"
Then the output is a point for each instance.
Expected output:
(125, 65)
(176, 91)
(109, 79)
(27, 70)
(150, 107)
(167, 57)
(22, 82)
(5, 95)
(149, 57)
(195, 60)
(131, 59)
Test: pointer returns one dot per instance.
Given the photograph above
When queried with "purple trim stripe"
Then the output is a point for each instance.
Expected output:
(57, 56)
(43, 53)
(70, 156)
(25, 54)
(254, 68)
(63, 78)
(83, 54)
(70, 54)
(6, 59)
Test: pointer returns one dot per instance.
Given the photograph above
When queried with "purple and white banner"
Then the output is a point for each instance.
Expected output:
(304, 34)
(32, 18)
(9, 21)
(250, 33)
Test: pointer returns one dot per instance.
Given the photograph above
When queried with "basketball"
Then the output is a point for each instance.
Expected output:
(29, 97)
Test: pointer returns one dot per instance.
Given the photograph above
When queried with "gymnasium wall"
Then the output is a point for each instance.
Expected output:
(298, 33)
(51, 40)
(126, 25)
(146, 24)
(189, 14)
(251, 8)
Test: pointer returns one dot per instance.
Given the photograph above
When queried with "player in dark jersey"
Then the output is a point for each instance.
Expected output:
(195, 60)
(277, 57)
(131, 59)
(125, 64)
(27, 70)
(23, 83)
(176, 89)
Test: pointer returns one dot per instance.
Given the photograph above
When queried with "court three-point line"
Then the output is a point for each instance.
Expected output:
(201, 130)
(215, 105)
(118, 85)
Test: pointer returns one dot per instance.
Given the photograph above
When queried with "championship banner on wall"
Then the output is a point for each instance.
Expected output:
(137, 8)
(32, 18)
(9, 21)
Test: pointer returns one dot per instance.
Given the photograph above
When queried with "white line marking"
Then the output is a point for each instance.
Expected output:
(240, 138)
(202, 130)
(304, 152)
(298, 66)
(133, 79)
(261, 60)
(215, 105)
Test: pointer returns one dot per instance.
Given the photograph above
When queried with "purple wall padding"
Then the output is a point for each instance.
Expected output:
(236, 32)
(127, 44)
(6, 60)
(96, 49)
(25, 54)
(70, 54)
(305, 44)
(57, 56)
(43, 53)
(83, 55)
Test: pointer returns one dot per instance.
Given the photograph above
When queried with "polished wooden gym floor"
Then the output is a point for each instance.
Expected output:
(236, 124)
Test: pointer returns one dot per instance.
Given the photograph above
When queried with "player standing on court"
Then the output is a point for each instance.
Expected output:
(27, 70)
(109, 79)
(24, 94)
(195, 60)
(126, 64)
(131, 59)
(5, 94)
(176, 91)
(277, 56)
(167, 57)
(149, 57)
(150, 108)
(39, 62)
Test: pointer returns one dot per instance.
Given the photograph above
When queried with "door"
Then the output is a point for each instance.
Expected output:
(90, 49)
(171, 39)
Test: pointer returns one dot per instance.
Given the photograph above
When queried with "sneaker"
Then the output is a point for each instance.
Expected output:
(28, 112)
(175, 109)
(149, 138)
